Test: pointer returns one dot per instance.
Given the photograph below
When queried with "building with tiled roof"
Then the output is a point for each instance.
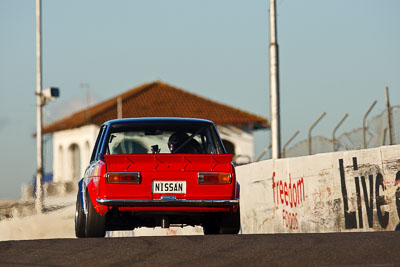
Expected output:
(158, 99)
(74, 136)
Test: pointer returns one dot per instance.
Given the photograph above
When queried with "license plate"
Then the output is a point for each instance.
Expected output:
(169, 187)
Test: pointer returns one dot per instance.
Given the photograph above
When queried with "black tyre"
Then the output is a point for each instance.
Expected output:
(210, 229)
(211, 225)
(230, 223)
(95, 223)
(79, 218)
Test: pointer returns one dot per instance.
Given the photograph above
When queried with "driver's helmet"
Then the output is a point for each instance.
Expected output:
(176, 139)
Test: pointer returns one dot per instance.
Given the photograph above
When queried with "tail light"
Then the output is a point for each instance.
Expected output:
(124, 178)
(215, 178)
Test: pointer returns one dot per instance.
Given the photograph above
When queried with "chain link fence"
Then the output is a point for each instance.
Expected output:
(376, 132)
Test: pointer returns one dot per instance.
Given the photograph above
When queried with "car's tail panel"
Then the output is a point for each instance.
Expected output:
(175, 176)
(169, 163)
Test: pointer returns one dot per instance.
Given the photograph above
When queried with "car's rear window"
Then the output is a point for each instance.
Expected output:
(163, 139)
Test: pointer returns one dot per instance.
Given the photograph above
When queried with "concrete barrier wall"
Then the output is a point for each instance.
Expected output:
(331, 192)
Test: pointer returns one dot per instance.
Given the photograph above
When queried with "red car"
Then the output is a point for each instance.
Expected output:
(150, 172)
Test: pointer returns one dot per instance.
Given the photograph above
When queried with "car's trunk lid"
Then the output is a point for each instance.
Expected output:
(169, 163)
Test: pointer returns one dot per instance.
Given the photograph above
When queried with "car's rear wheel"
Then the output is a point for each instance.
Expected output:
(95, 223)
(211, 225)
(79, 218)
(224, 223)
(210, 229)
(230, 223)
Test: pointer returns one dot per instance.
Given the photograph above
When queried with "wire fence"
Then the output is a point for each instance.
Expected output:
(376, 133)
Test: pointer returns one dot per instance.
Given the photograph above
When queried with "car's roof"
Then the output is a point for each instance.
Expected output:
(158, 120)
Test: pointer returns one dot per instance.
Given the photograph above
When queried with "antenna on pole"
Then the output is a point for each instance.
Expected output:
(274, 83)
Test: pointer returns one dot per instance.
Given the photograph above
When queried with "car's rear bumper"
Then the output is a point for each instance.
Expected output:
(168, 202)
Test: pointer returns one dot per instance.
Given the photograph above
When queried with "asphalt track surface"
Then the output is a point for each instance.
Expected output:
(339, 249)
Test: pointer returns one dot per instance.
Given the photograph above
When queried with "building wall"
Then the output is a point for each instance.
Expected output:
(242, 139)
(71, 152)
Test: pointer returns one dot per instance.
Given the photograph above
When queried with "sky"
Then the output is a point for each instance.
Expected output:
(335, 57)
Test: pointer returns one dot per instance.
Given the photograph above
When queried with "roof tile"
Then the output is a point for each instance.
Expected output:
(158, 99)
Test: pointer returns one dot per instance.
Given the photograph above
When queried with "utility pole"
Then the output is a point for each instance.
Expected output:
(39, 126)
(274, 83)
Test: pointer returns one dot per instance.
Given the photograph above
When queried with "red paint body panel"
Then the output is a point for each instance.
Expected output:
(169, 163)
(163, 167)
(180, 209)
